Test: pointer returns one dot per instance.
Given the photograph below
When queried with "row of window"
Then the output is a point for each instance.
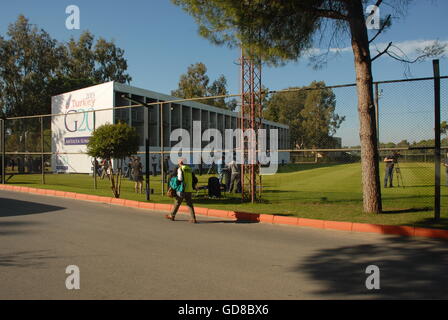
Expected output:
(177, 116)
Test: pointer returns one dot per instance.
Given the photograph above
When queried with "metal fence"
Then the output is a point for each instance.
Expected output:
(323, 170)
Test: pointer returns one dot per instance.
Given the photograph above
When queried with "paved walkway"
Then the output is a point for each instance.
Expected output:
(126, 253)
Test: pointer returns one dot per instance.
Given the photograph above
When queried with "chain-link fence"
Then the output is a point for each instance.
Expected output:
(318, 147)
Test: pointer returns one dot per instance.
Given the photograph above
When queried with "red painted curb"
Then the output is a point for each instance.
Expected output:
(218, 213)
(430, 233)
(81, 196)
(131, 203)
(117, 201)
(71, 195)
(60, 193)
(184, 209)
(266, 218)
(247, 216)
(285, 220)
(399, 230)
(162, 207)
(105, 199)
(244, 216)
(313, 223)
(146, 205)
(366, 227)
(336, 225)
(201, 211)
(50, 192)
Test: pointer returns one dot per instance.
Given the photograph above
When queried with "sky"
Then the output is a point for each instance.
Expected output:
(161, 40)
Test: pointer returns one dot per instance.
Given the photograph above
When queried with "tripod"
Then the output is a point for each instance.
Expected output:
(399, 175)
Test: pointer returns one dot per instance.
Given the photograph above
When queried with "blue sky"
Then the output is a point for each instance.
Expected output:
(161, 41)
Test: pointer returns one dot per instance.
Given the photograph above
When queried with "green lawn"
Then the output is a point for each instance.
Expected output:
(319, 191)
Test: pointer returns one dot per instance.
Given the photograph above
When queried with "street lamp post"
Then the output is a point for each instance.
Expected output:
(147, 106)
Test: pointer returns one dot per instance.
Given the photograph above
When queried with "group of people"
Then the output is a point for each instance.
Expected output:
(102, 168)
(392, 160)
(26, 164)
(134, 171)
(231, 174)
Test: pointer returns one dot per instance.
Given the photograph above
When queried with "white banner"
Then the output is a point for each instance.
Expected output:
(72, 129)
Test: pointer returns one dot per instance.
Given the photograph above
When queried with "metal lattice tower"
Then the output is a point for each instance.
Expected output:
(250, 118)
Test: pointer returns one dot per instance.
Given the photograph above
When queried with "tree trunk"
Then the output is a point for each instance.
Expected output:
(368, 136)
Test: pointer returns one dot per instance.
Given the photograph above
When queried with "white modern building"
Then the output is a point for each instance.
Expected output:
(75, 122)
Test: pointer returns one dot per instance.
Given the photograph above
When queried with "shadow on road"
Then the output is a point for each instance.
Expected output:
(10, 227)
(13, 207)
(409, 269)
(23, 259)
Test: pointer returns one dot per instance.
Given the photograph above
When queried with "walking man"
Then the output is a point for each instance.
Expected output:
(186, 177)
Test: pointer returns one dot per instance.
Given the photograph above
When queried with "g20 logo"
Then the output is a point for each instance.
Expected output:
(79, 120)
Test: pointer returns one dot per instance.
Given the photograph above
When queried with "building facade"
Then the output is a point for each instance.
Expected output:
(79, 112)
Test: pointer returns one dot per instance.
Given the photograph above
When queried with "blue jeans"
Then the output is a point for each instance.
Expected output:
(389, 176)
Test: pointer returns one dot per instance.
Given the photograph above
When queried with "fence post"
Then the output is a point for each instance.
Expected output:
(3, 142)
(377, 98)
(94, 159)
(42, 149)
(161, 148)
(437, 159)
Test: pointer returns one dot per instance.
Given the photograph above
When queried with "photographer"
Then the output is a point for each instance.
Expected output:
(390, 161)
(445, 164)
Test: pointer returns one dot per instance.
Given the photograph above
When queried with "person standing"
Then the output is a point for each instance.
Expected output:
(137, 175)
(104, 168)
(166, 168)
(186, 177)
(390, 163)
(220, 169)
(234, 176)
(445, 164)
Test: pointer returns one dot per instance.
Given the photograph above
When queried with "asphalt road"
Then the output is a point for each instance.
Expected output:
(126, 253)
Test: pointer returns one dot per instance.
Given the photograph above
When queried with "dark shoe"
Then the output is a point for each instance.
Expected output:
(169, 217)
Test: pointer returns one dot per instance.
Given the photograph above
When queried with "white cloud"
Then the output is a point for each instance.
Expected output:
(410, 47)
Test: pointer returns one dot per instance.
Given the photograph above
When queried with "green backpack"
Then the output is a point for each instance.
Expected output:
(176, 185)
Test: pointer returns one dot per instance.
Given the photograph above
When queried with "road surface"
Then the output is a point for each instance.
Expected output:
(125, 253)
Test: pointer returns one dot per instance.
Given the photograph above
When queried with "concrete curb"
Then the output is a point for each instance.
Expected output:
(245, 216)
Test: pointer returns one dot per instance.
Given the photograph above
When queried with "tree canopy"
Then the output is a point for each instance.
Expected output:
(113, 141)
(34, 66)
(310, 115)
(195, 84)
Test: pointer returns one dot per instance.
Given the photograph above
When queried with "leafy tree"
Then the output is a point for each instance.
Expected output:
(113, 141)
(80, 58)
(29, 59)
(195, 84)
(110, 63)
(310, 115)
(278, 31)
(34, 66)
